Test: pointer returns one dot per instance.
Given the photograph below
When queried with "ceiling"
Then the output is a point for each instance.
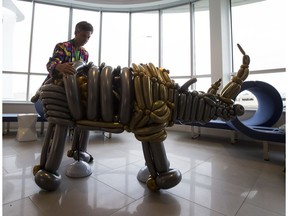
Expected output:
(130, 5)
(117, 2)
(119, 5)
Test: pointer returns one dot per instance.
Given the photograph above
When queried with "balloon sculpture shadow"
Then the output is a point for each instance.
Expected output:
(141, 99)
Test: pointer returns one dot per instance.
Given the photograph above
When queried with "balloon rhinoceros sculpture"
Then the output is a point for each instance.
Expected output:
(141, 99)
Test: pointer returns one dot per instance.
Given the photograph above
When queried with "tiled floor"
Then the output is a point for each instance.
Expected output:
(217, 179)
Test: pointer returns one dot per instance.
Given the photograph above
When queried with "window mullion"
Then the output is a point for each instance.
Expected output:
(30, 52)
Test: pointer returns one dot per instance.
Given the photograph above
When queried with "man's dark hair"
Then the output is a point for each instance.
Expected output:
(83, 26)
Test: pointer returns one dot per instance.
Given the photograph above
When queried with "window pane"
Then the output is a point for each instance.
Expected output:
(115, 35)
(203, 84)
(176, 41)
(181, 81)
(202, 38)
(145, 38)
(16, 37)
(261, 33)
(247, 100)
(15, 87)
(277, 80)
(35, 83)
(93, 44)
(260, 29)
(48, 31)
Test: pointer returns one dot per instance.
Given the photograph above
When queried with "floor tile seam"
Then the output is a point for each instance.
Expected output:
(195, 203)
(101, 164)
(135, 155)
(272, 184)
(3, 174)
(221, 180)
(179, 158)
(266, 209)
(198, 164)
(21, 153)
(243, 202)
(110, 171)
(103, 182)
(135, 200)
(120, 151)
(18, 170)
(94, 174)
(17, 153)
(42, 211)
(193, 170)
(112, 168)
(15, 200)
(190, 170)
(25, 160)
(115, 189)
(246, 200)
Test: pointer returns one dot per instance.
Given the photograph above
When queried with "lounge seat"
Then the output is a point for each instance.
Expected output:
(261, 125)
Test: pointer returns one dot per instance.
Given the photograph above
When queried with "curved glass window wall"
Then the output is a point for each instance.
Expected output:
(177, 38)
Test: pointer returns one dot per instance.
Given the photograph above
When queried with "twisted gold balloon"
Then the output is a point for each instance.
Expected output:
(232, 89)
(152, 109)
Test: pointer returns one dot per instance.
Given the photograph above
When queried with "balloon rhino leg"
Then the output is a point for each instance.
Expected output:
(46, 175)
(80, 168)
(79, 146)
(157, 174)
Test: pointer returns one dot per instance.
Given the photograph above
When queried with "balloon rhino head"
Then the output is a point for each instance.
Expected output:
(141, 99)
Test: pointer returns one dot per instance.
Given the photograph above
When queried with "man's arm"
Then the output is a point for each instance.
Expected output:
(60, 61)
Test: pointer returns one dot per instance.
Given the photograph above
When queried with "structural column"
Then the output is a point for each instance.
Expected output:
(220, 38)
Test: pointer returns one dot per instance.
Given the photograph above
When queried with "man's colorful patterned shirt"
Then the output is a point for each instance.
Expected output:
(63, 53)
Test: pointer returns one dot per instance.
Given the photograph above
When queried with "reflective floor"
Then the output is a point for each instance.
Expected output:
(217, 179)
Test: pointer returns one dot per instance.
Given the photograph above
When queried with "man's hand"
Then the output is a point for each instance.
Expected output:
(66, 68)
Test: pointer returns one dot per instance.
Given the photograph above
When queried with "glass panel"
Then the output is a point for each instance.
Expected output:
(260, 29)
(15, 87)
(115, 38)
(203, 84)
(48, 31)
(176, 41)
(202, 38)
(274, 79)
(247, 100)
(35, 83)
(92, 17)
(16, 26)
(145, 38)
(180, 81)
